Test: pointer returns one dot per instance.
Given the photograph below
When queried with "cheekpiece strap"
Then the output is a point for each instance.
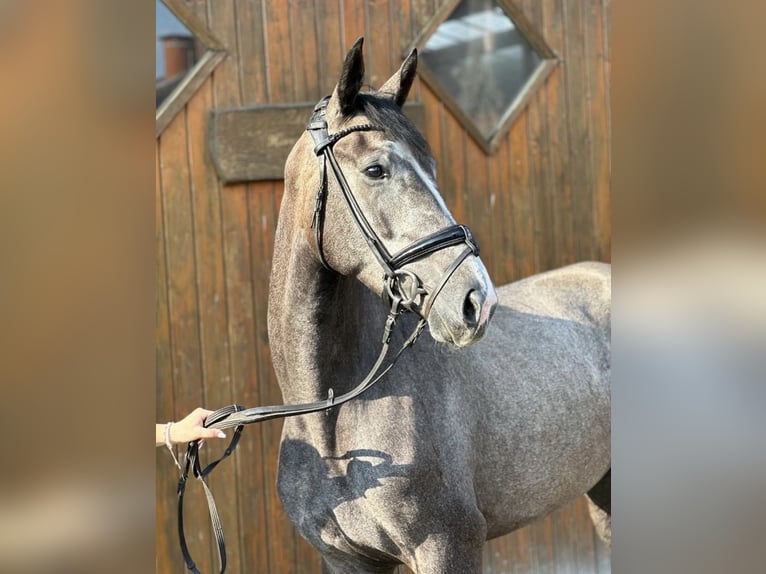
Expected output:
(323, 144)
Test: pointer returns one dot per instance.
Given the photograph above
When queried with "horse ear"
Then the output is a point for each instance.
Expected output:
(398, 85)
(351, 77)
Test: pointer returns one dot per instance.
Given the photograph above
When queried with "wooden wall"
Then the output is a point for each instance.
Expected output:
(542, 200)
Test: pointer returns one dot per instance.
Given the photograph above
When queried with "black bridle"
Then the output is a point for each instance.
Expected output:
(397, 280)
(404, 289)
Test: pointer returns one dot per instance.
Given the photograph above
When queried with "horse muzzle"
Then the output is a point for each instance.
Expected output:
(462, 314)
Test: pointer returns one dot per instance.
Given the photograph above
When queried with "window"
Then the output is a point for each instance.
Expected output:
(483, 60)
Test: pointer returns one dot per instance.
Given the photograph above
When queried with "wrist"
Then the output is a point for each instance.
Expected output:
(167, 437)
(169, 441)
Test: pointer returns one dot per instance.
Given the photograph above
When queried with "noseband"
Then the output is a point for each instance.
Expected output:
(405, 292)
(397, 281)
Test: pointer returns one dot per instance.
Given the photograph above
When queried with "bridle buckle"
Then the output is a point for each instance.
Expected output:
(407, 287)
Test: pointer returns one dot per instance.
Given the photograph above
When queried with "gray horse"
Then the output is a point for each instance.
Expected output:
(475, 432)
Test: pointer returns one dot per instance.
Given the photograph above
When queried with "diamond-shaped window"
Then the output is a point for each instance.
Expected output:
(484, 60)
(186, 53)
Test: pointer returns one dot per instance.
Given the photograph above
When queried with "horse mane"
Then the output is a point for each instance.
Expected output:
(383, 112)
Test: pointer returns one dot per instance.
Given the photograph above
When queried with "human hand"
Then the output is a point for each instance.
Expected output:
(190, 428)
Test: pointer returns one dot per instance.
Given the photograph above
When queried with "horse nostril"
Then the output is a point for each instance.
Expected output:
(472, 307)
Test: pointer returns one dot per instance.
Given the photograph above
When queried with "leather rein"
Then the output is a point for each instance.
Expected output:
(403, 288)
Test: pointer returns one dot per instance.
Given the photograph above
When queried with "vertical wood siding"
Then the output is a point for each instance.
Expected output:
(541, 201)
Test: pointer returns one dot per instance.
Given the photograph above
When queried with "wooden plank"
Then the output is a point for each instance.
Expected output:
(226, 88)
(226, 83)
(282, 537)
(330, 38)
(521, 201)
(252, 467)
(378, 61)
(305, 50)
(504, 231)
(606, 15)
(538, 148)
(212, 305)
(597, 71)
(520, 545)
(198, 7)
(183, 311)
(452, 177)
(420, 11)
(564, 536)
(433, 134)
(252, 143)
(400, 23)
(252, 51)
(579, 129)
(498, 557)
(432, 112)
(253, 489)
(584, 547)
(166, 478)
(280, 56)
(542, 546)
(477, 198)
(353, 27)
(234, 22)
(543, 226)
(558, 163)
(494, 200)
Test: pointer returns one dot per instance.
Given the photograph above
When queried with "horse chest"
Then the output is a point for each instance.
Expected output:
(375, 490)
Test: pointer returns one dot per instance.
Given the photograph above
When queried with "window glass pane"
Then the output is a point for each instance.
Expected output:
(482, 60)
(176, 51)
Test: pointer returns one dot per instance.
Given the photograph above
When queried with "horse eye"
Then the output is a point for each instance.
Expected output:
(374, 172)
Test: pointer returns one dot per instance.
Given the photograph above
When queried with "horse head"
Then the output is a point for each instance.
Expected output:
(388, 170)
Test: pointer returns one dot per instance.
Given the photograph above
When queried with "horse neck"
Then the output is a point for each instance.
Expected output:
(323, 328)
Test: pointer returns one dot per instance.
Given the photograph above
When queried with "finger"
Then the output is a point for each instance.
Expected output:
(212, 433)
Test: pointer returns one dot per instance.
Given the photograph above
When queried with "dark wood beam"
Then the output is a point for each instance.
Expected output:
(252, 143)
